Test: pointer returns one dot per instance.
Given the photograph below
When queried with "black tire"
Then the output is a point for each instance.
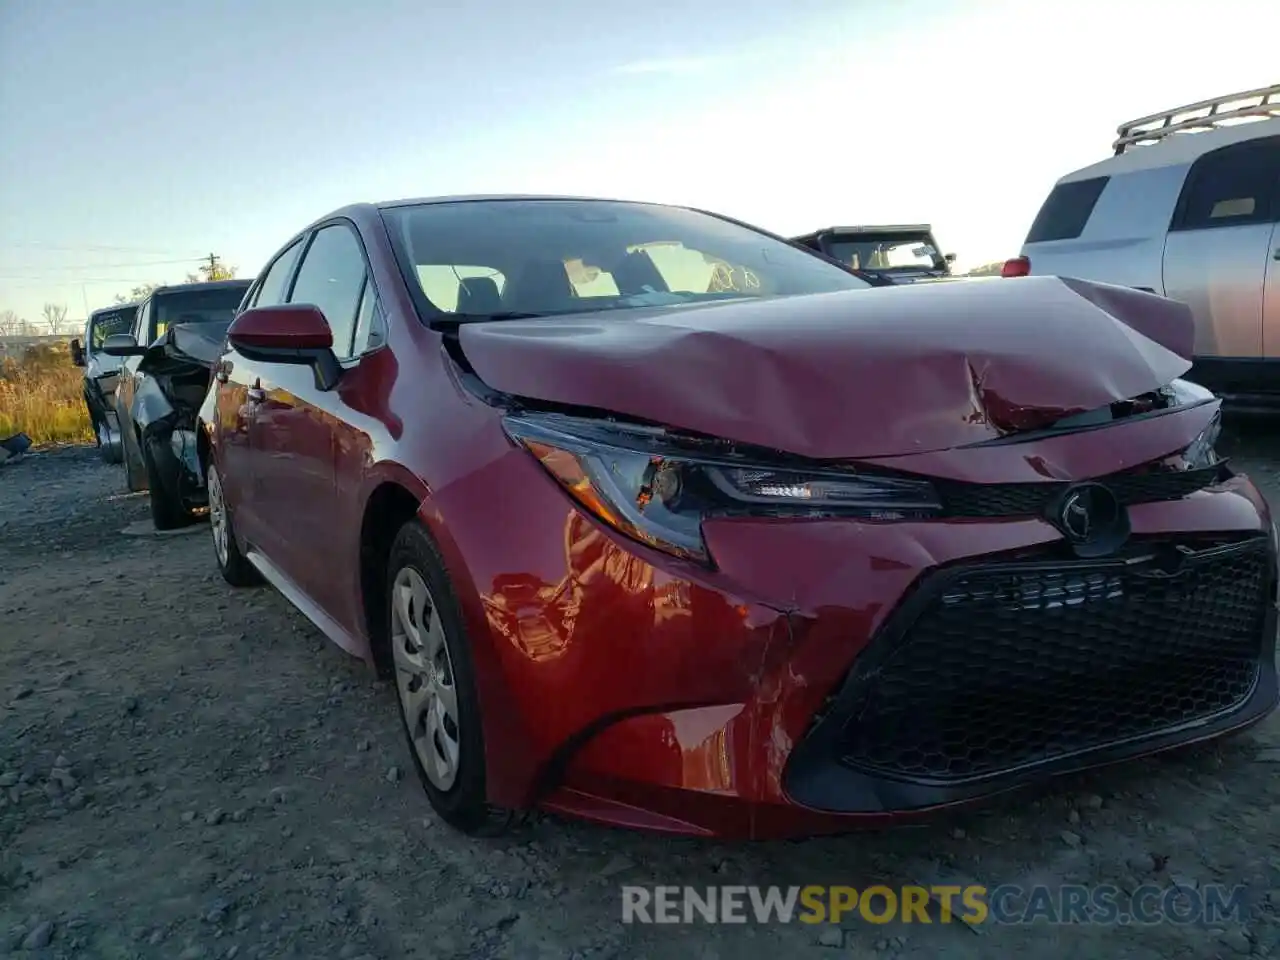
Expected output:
(235, 569)
(111, 453)
(168, 512)
(465, 805)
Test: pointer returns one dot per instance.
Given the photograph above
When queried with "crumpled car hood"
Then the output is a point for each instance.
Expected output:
(198, 344)
(867, 373)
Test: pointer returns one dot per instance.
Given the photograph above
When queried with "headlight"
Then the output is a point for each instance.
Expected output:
(657, 490)
(1203, 451)
(1183, 393)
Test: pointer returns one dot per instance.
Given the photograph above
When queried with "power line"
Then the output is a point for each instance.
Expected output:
(71, 281)
(128, 266)
(89, 246)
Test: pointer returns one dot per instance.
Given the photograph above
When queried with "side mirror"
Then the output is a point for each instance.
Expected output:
(295, 333)
(122, 345)
(950, 258)
(77, 352)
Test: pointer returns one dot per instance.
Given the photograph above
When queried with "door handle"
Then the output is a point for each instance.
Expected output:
(257, 395)
(1275, 254)
(221, 375)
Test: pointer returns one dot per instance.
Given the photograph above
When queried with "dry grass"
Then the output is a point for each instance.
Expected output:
(41, 395)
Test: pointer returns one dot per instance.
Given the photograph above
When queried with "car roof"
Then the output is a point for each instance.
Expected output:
(1181, 149)
(472, 198)
(873, 228)
(132, 304)
(204, 285)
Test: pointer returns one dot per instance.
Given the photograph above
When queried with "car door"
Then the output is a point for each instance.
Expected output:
(1217, 251)
(363, 425)
(292, 433)
(127, 383)
(238, 392)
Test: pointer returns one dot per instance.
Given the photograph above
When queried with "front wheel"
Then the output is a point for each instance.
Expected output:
(435, 683)
(233, 566)
(168, 512)
(110, 443)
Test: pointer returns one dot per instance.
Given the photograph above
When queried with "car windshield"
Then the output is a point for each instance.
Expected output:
(108, 323)
(887, 252)
(211, 305)
(554, 257)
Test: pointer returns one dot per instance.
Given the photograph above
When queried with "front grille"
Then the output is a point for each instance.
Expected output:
(1008, 665)
(1031, 499)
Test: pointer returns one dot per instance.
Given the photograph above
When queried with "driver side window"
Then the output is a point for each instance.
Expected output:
(332, 278)
(271, 290)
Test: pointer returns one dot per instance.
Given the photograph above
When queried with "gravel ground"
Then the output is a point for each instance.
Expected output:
(191, 773)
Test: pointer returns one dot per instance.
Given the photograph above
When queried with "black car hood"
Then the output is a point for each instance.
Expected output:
(200, 344)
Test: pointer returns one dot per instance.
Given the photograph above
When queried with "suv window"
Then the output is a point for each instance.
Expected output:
(271, 291)
(108, 323)
(1066, 210)
(1232, 186)
(211, 305)
(332, 278)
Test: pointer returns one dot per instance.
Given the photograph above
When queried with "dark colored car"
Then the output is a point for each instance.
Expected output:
(658, 520)
(169, 355)
(101, 373)
(894, 253)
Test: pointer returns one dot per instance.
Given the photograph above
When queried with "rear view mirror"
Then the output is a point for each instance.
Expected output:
(122, 345)
(77, 353)
(294, 333)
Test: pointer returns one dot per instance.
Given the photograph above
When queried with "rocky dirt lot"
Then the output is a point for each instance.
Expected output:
(188, 772)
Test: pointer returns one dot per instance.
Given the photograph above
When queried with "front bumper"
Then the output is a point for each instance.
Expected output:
(621, 686)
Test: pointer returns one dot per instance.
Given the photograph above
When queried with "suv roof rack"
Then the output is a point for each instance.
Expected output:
(1260, 104)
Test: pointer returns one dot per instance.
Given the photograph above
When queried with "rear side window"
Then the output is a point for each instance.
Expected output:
(1231, 187)
(1067, 210)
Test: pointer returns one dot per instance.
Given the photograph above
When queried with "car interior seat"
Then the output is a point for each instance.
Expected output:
(479, 295)
(636, 272)
(541, 287)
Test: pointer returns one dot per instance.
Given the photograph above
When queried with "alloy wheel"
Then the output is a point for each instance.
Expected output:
(217, 516)
(425, 678)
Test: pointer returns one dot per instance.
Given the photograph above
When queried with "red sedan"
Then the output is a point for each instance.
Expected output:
(658, 520)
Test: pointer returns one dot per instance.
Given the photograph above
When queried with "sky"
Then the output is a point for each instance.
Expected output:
(137, 137)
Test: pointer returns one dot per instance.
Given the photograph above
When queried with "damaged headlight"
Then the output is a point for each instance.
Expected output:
(1184, 393)
(657, 490)
(1203, 451)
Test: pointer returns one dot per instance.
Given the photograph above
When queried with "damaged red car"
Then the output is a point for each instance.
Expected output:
(658, 520)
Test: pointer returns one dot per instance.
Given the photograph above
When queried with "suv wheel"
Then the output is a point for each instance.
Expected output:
(109, 447)
(435, 684)
(235, 569)
(168, 512)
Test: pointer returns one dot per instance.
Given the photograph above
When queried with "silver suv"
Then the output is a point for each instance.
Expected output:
(101, 373)
(1188, 207)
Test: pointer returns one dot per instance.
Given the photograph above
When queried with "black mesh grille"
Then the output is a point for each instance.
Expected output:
(1031, 499)
(1010, 665)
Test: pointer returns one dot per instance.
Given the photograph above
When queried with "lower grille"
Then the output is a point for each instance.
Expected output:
(1008, 665)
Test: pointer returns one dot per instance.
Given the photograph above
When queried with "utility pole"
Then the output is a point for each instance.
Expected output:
(213, 265)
